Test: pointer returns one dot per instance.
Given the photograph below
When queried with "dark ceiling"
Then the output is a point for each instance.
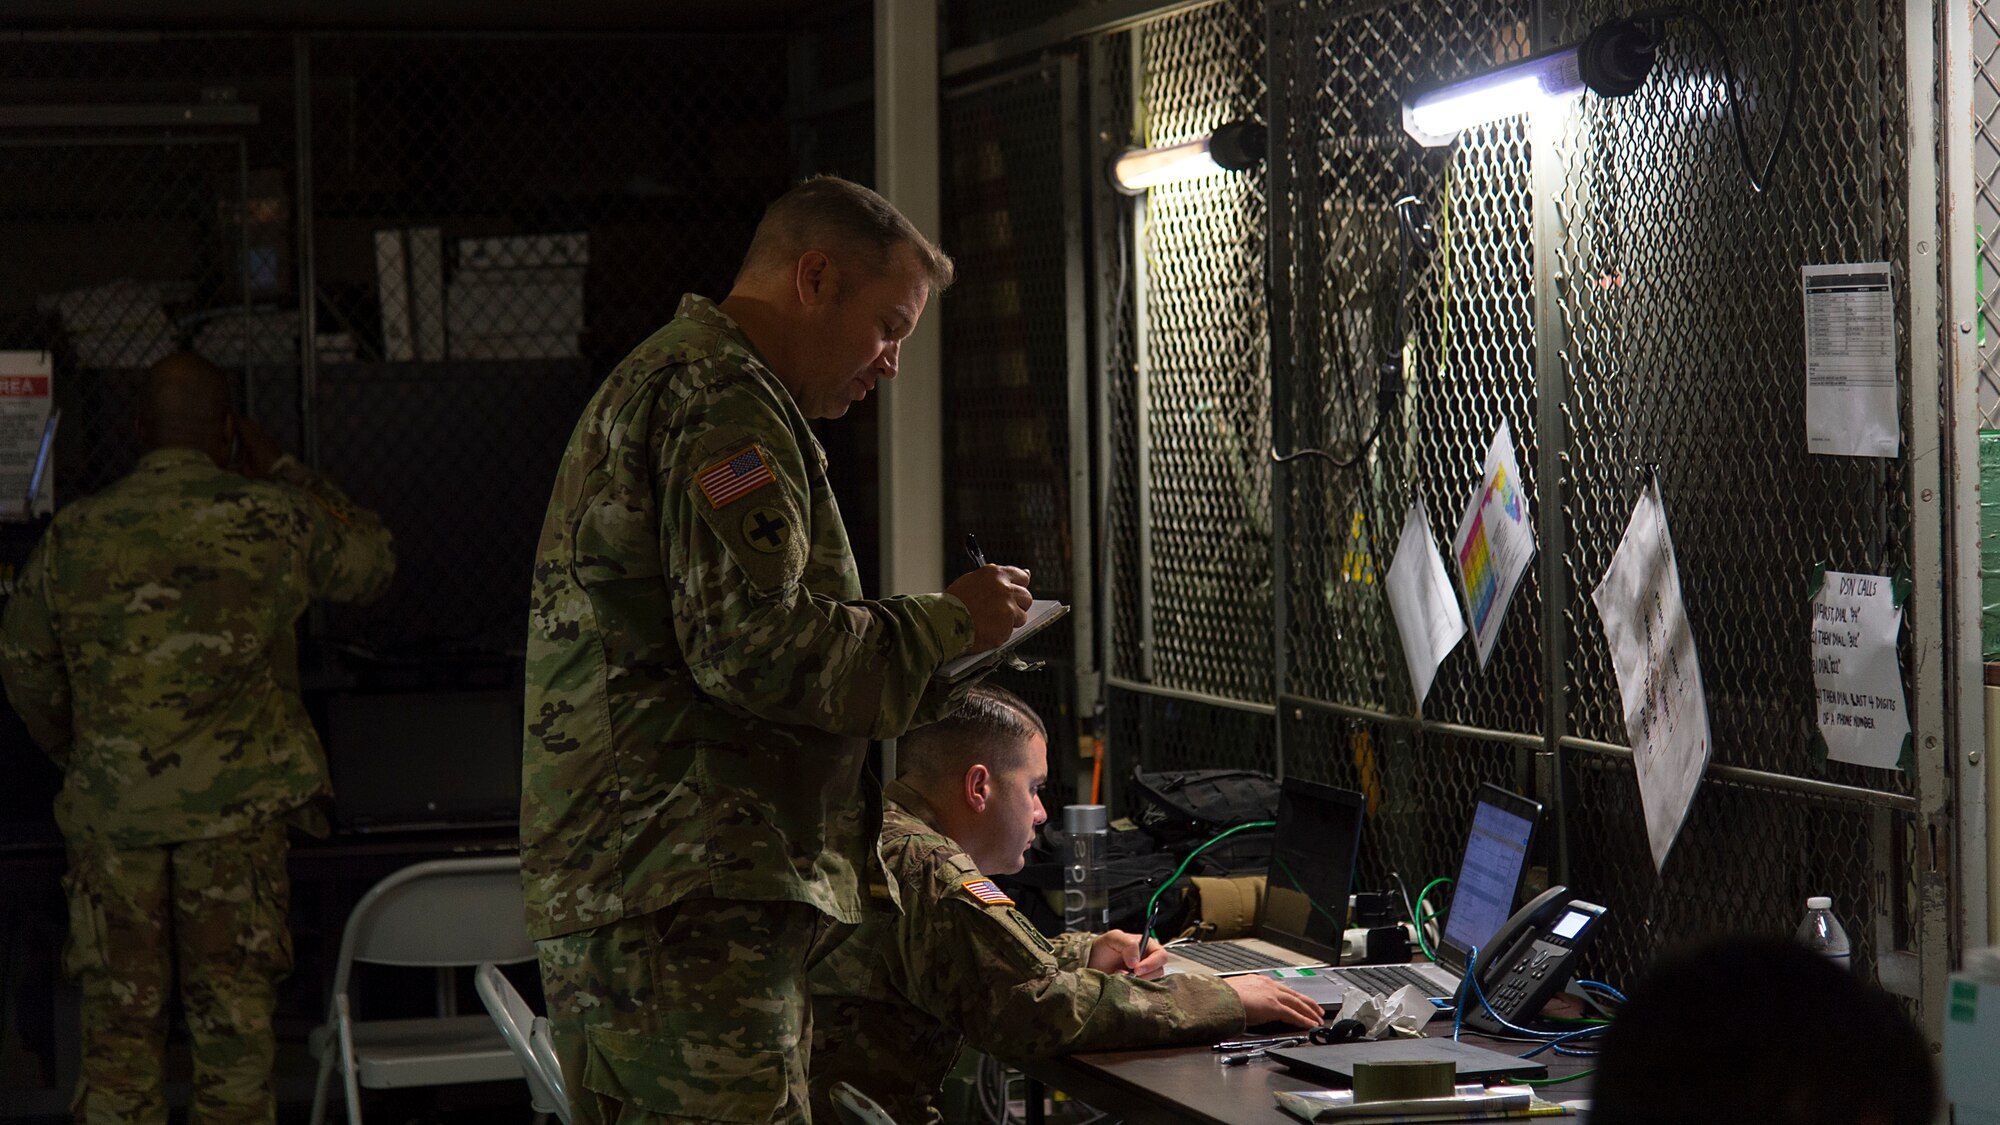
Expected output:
(455, 15)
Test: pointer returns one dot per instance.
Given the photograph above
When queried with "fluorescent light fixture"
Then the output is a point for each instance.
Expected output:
(1612, 61)
(1233, 147)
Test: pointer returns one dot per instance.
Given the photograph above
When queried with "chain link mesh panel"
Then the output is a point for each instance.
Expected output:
(1986, 203)
(144, 236)
(1200, 403)
(484, 247)
(966, 22)
(1007, 461)
(1453, 327)
(1679, 293)
(1745, 862)
(1420, 787)
(1116, 226)
(1682, 306)
(1159, 732)
(1673, 268)
(544, 228)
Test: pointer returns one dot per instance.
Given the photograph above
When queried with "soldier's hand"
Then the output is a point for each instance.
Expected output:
(256, 449)
(998, 599)
(1267, 1001)
(1116, 951)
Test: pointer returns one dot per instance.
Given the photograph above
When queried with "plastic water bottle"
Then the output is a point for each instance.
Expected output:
(1086, 903)
(1821, 932)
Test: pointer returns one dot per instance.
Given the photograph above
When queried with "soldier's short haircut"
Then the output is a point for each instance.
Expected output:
(829, 213)
(184, 400)
(992, 726)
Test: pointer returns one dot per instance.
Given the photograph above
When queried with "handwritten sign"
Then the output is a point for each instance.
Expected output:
(1857, 678)
(1659, 675)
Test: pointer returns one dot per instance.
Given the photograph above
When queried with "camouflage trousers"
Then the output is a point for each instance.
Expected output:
(217, 909)
(698, 1012)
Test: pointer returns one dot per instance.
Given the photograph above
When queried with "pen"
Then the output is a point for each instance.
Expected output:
(972, 550)
(1251, 1044)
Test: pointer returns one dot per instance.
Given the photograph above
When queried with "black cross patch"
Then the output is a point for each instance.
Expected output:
(766, 530)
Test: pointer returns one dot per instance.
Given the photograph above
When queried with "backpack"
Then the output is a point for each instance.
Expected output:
(1184, 809)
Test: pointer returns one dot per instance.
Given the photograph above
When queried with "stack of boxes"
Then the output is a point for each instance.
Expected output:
(509, 297)
(122, 324)
(518, 297)
(241, 337)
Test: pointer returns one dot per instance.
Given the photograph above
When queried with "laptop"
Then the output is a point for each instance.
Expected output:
(1334, 1064)
(1304, 911)
(1482, 898)
(425, 759)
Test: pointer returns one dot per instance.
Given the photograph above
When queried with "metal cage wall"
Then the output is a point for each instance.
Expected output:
(1609, 287)
(243, 194)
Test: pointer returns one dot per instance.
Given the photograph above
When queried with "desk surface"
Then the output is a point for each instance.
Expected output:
(1187, 1086)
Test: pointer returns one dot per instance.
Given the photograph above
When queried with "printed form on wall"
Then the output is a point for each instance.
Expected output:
(1851, 360)
(25, 393)
(1659, 676)
(1857, 679)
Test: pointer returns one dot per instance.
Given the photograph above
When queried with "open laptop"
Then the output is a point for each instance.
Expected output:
(1304, 911)
(1482, 898)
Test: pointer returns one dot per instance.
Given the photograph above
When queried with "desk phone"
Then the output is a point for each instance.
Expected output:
(1534, 954)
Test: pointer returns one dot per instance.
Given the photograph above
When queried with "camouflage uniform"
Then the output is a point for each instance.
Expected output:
(893, 1004)
(149, 648)
(702, 680)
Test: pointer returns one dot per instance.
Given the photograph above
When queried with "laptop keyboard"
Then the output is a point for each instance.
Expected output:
(1384, 979)
(1229, 958)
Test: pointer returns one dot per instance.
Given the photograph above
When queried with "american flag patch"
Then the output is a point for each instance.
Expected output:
(743, 472)
(986, 892)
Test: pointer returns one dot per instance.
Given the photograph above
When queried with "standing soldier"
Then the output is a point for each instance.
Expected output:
(703, 676)
(894, 1003)
(149, 649)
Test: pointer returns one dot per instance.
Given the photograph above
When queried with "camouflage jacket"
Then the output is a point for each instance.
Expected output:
(703, 674)
(892, 1004)
(150, 647)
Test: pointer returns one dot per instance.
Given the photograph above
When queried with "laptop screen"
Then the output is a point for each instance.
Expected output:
(425, 758)
(1312, 867)
(1496, 855)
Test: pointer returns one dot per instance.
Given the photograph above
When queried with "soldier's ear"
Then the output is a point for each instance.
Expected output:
(816, 279)
(978, 788)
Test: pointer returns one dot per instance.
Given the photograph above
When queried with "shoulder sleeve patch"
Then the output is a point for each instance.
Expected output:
(735, 476)
(986, 892)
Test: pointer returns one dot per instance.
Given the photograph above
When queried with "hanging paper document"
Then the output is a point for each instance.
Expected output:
(1427, 616)
(1851, 360)
(1659, 677)
(27, 482)
(1494, 543)
(1856, 676)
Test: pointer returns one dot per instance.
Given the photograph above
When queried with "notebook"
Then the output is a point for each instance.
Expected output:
(1041, 614)
(1489, 878)
(1304, 911)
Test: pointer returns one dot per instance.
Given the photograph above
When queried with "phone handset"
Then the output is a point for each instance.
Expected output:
(1529, 959)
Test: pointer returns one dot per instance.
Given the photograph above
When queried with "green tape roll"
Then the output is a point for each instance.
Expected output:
(1404, 1078)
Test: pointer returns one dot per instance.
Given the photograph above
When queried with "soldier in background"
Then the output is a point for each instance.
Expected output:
(703, 676)
(149, 648)
(894, 1003)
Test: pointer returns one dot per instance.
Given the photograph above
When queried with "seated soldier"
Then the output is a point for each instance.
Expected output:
(1763, 1031)
(893, 1003)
